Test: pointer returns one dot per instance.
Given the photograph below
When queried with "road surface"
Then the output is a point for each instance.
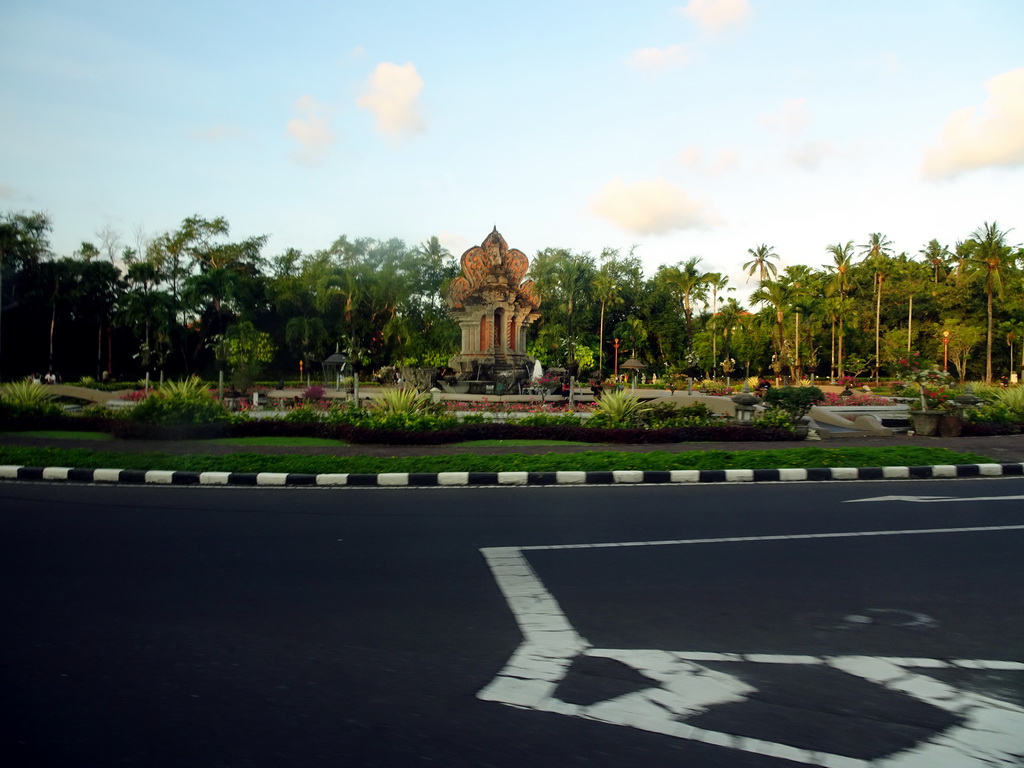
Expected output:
(846, 624)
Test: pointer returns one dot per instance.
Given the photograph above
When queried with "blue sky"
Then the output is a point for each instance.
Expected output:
(694, 128)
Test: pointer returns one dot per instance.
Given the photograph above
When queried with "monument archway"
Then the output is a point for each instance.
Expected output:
(494, 307)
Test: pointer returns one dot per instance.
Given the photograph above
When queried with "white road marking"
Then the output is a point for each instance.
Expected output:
(930, 499)
(784, 537)
(990, 733)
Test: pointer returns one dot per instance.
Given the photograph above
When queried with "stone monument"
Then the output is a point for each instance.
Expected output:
(493, 306)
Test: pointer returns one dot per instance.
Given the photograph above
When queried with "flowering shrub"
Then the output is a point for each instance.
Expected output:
(547, 380)
(712, 387)
(313, 392)
(935, 397)
(482, 406)
(833, 399)
(136, 396)
(927, 378)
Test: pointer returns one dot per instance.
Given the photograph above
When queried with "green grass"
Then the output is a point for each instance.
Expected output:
(278, 441)
(548, 462)
(61, 434)
(514, 443)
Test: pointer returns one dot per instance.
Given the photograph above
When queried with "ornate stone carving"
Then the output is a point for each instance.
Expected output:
(493, 306)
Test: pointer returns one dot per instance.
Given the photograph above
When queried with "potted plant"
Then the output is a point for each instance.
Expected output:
(930, 381)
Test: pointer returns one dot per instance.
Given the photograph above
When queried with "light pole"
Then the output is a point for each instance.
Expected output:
(616, 345)
(945, 351)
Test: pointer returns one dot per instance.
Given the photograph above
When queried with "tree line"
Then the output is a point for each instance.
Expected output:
(195, 300)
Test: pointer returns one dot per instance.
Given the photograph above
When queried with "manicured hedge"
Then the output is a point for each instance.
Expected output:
(131, 430)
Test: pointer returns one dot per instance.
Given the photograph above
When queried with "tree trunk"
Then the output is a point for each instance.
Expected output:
(910, 322)
(878, 325)
(988, 342)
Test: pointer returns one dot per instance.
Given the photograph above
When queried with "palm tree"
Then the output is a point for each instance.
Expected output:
(760, 262)
(841, 283)
(716, 282)
(877, 252)
(606, 289)
(991, 260)
(777, 295)
(800, 281)
(729, 316)
(937, 255)
(689, 283)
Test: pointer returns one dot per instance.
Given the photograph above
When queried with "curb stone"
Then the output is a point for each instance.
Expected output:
(462, 479)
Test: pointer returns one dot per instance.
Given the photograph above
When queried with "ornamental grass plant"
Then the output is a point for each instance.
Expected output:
(21, 399)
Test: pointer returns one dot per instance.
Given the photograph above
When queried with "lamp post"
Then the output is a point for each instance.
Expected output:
(616, 345)
(945, 351)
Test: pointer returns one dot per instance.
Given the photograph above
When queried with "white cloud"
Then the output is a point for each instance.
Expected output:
(312, 132)
(811, 154)
(659, 59)
(217, 132)
(6, 191)
(723, 162)
(992, 135)
(391, 95)
(651, 207)
(717, 15)
(790, 120)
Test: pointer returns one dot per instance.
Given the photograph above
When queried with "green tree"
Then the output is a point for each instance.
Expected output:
(991, 260)
(761, 262)
(687, 284)
(938, 256)
(247, 351)
(877, 252)
(841, 285)
(776, 295)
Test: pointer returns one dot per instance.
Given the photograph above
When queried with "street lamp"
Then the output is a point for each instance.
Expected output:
(616, 345)
(945, 351)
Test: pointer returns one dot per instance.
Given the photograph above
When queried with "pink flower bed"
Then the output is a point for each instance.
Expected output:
(832, 399)
(480, 406)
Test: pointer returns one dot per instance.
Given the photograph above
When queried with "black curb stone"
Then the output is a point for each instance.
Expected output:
(430, 479)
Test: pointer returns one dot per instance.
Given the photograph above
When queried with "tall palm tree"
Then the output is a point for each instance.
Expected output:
(716, 282)
(777, 295)
(800, 280)
(689, 284)
(877, 252)
(841, 284)
(760, 262)
(991, 260)
(729, 316)
(606, 289)
(937, 255)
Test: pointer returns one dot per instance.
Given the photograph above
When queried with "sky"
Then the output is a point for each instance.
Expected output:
(691, 128)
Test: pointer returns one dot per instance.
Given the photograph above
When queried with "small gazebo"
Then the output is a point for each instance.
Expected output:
(633, 365)
(334, 366)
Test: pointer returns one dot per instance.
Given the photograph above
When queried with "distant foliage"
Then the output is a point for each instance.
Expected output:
(180, 402)
(26, 398)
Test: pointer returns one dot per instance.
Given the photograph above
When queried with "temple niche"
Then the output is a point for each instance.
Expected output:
(494, 308)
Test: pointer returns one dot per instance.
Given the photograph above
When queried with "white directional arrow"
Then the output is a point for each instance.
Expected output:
(930, 499)
(685, 684)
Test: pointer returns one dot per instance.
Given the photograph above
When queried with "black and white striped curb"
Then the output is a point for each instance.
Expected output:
(426, 479)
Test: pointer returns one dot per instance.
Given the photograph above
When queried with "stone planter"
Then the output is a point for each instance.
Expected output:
(951, 425)
(926, 423)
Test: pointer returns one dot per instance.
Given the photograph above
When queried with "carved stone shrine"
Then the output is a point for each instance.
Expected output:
(493, 306)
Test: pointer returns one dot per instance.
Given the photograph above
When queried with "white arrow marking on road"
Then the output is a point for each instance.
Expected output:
(928, 499)
(988, 736)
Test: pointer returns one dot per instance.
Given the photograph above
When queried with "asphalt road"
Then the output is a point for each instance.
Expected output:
(730, 625)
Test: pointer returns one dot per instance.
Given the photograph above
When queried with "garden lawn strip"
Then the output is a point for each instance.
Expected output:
(592, 461)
